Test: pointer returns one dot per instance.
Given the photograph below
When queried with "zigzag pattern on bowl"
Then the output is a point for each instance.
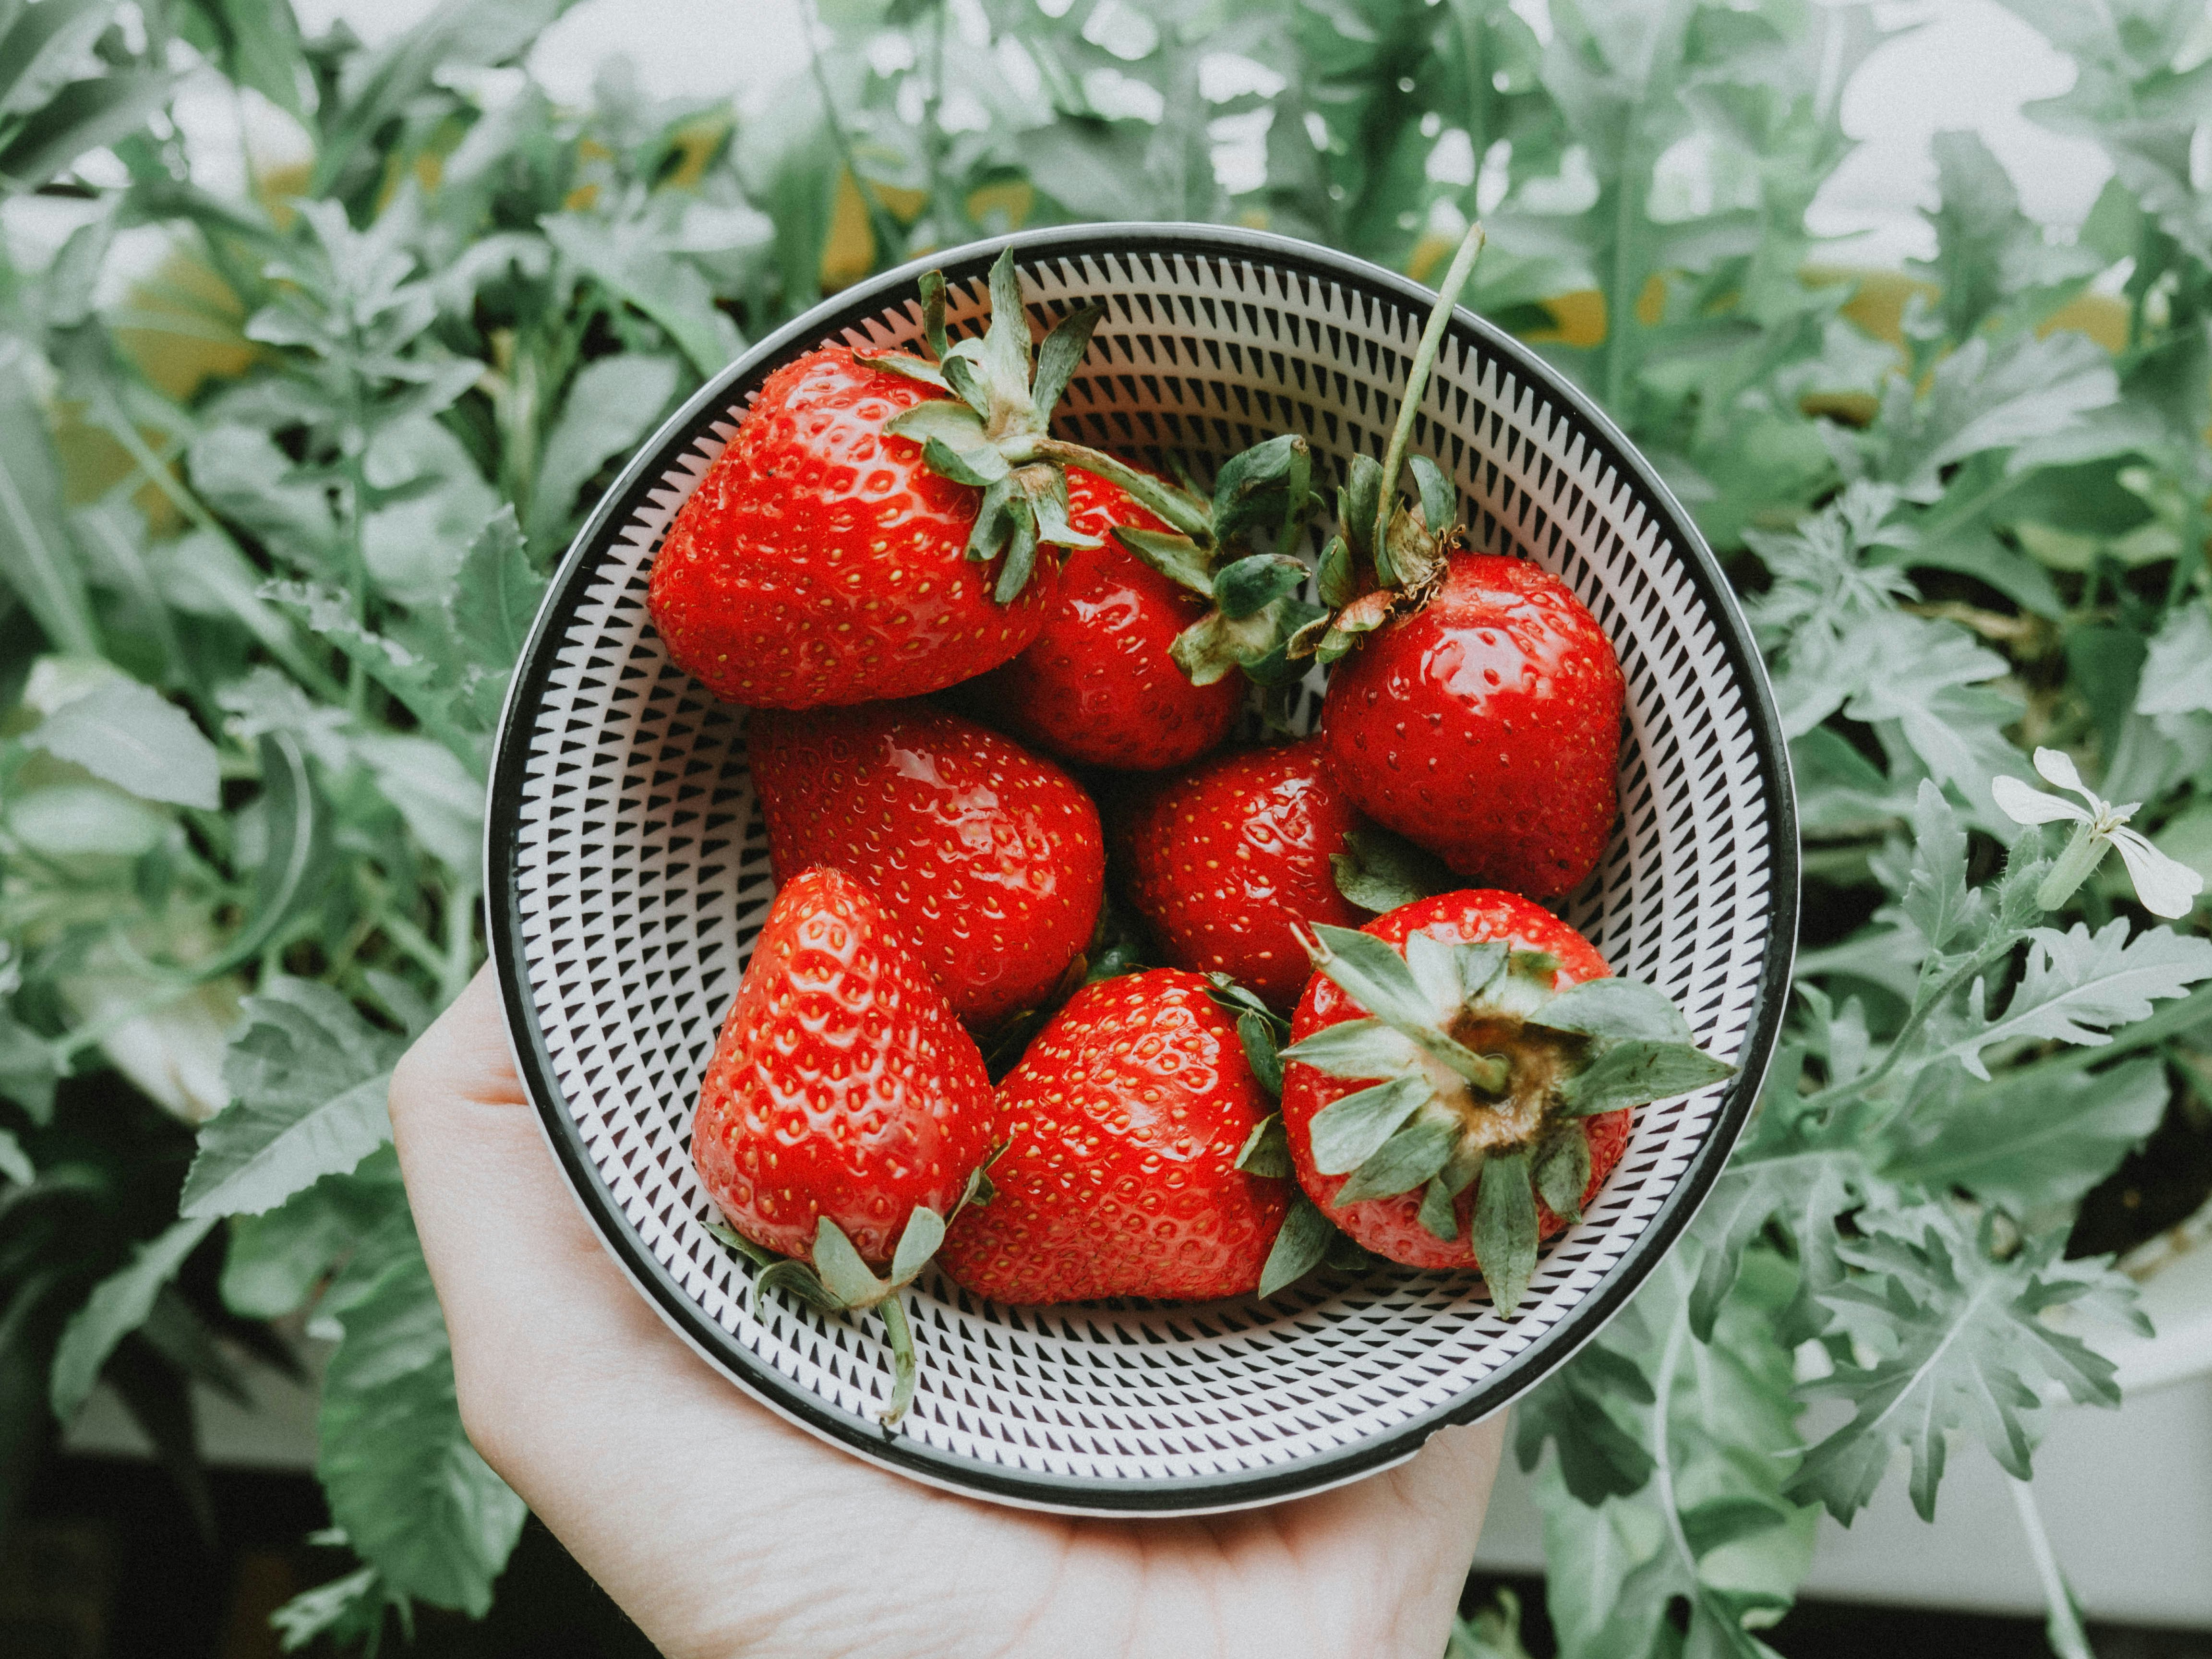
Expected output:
(640, 878)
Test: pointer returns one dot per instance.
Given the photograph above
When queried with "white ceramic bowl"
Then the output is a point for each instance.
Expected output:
(628, 876)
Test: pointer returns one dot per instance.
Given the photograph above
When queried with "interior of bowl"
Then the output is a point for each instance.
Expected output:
(631, 875)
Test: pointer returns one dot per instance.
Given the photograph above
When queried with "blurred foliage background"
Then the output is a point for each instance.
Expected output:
(282, 469)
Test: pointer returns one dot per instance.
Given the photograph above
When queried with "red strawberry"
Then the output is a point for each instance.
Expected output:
(1126, 1119)
(1227, 858)
(841, 1084)
(1486, 726)
(1460, 1077)
(1477, 708)
(1098, 685)
(820, 560)
(845, 1115)
(989, 857)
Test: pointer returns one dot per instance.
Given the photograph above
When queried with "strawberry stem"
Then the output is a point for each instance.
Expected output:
(1165, 503)
(904, 1370)
(1417, 385)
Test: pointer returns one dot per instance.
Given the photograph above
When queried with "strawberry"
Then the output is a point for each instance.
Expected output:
(821, 560)
(845, 1114)
(1461, 1079)
(1227, 858)
(839, 551)
(988, 856)
(1099, 685)
(1125, 1121)
(1476, 708)
(1486, 726)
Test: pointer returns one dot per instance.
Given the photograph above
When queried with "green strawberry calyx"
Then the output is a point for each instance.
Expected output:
(1480, 1073)
(1388, 556)
(991, 430)
(838, 1280)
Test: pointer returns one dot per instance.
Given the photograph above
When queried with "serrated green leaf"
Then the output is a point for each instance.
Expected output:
(118, 1304)
(275, 1259)
(1716, 1546)
(612, 404)
(308, 1078)
(2028, 1142)
(2078, 986)
(1257, 1038)
(416, 1500)
(1969, 1349)
(136, 738)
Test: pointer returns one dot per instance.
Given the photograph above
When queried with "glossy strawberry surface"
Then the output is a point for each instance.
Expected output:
(1098, 685)
(1486, 726)
(1226, 857)
(820, 562)
(989, 856)
(1391, 1227)
(841, 1084)
(1124, 1119)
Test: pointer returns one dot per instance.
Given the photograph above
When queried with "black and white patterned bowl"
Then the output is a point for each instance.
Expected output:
(628, 876)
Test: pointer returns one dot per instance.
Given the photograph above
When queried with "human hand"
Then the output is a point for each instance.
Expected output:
(723, 1531)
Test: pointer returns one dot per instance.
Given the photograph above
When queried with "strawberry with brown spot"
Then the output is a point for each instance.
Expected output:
(845, 1114)
(1461, 1081)
(990, 856)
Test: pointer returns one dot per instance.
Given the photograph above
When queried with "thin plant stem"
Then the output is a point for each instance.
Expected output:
(1417, 382)
(2062, 1623)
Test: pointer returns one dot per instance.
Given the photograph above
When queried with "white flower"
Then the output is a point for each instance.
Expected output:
(2167, 886)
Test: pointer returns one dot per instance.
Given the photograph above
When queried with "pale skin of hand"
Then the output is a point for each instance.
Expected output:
(723, 1531)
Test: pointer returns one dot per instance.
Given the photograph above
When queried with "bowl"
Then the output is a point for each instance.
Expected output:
(628, 876)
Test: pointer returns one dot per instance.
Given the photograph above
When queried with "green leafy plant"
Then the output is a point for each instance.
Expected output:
(276, 517)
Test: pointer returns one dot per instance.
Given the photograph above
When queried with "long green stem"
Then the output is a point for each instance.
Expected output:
(904, 1370)
(1417, 385)
(2062, 1623)
(1980, 962)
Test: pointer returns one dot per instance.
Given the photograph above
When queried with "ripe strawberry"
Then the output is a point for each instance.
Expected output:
(1098, 685)
(1478, 712)
(1227, 859)
(1126, 1119)
(1486, 726)
(845, 1114)
(989, 857)
(1461, 1080)
(821, 560)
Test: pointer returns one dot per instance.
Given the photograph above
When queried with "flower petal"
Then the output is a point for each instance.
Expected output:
(2167, 886)
(2058, 767)
(2025, 806)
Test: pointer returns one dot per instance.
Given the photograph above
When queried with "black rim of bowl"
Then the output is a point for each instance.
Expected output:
(1190, 1494)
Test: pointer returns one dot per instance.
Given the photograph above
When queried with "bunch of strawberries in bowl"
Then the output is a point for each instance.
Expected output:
(1063, 989)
